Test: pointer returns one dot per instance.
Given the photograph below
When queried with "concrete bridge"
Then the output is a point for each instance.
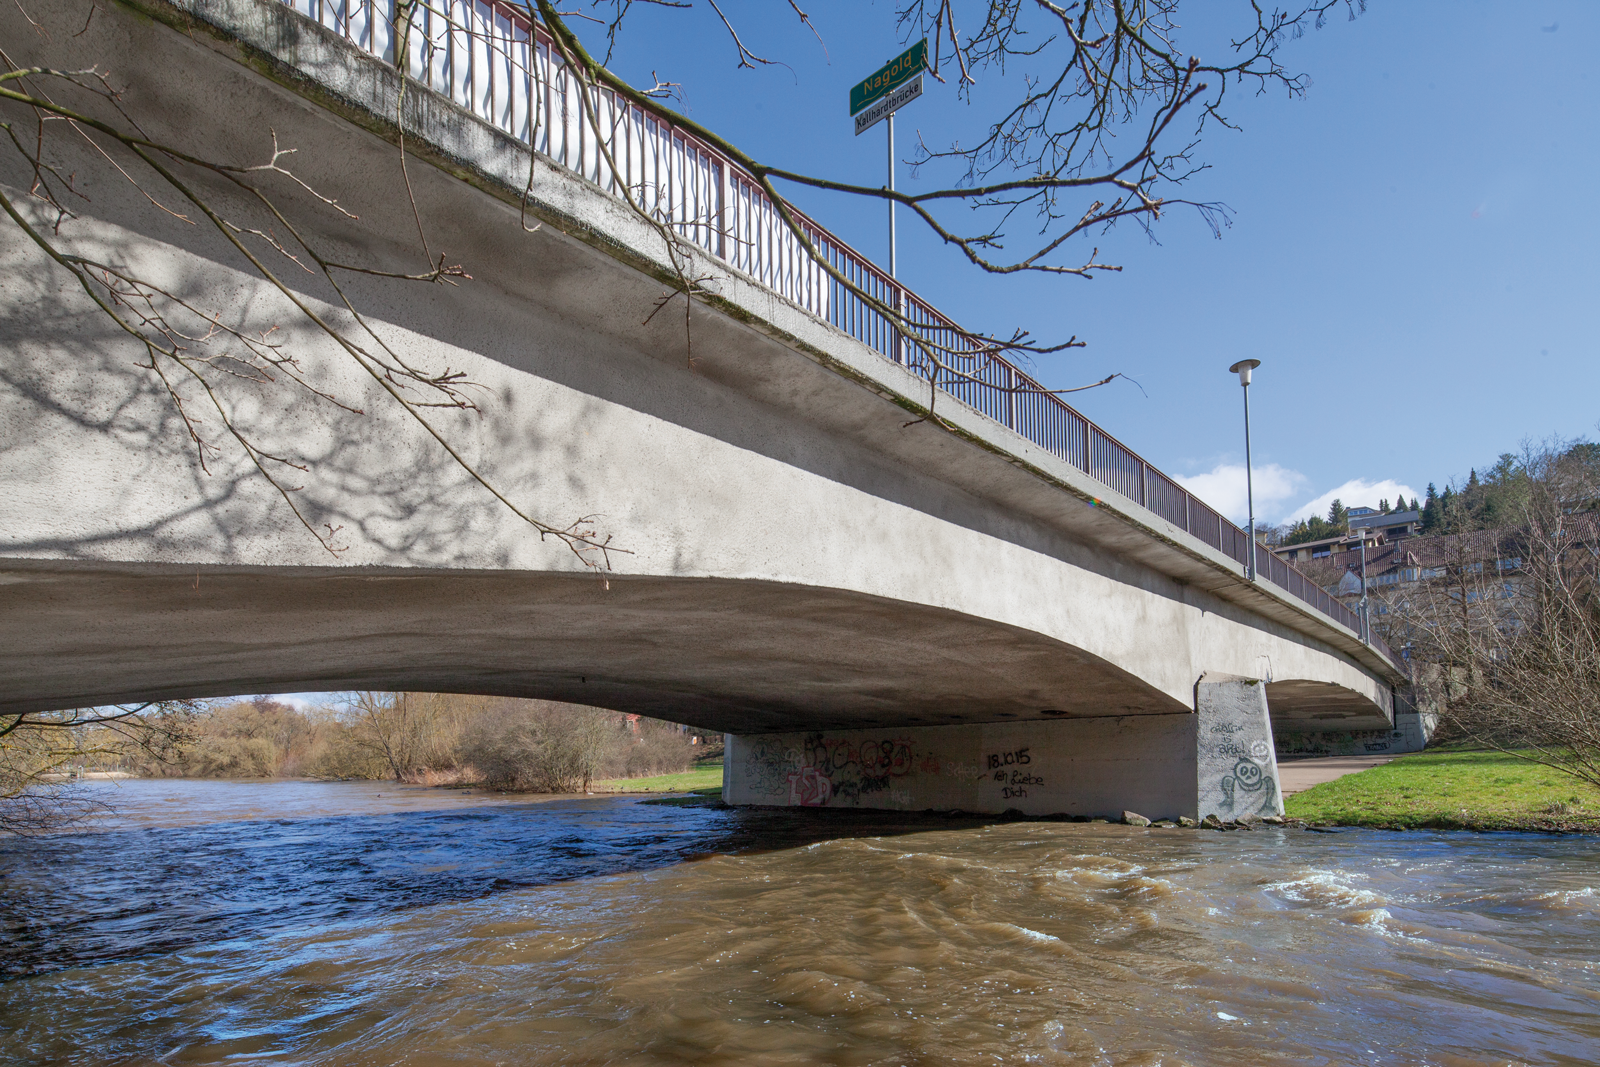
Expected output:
(1005, 609)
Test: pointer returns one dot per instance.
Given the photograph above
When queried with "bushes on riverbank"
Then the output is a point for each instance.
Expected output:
(429, 738)
(1453, 789)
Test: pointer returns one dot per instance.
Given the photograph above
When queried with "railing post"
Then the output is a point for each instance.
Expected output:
(725, 200)
(895, 340)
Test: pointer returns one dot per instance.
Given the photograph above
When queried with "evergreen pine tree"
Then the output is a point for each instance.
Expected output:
(1430, 511)
(1449, 506)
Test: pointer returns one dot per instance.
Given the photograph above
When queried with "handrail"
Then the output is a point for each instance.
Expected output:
(493, 61)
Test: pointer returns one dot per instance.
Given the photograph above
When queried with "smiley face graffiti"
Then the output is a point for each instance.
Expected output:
(1249, 789)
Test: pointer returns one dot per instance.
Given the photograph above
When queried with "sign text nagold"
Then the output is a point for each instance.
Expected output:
(899, 70)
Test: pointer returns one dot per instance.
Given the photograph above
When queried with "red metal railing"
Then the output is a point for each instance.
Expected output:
(496, 63)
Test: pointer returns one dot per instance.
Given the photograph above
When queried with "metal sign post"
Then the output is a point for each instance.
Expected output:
(891, 189)
(887, 90)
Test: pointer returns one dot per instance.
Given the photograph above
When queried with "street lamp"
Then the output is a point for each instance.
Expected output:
(1243, 369)
(1366, 618)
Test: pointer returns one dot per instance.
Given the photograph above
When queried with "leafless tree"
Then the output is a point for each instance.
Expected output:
(1106, 125)
(1504, 626)
(40, 753)
(203, 357)
(542, 746)
(412, 732)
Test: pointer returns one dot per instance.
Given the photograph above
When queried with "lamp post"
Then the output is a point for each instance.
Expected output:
(1243, 369)
(1366, 618)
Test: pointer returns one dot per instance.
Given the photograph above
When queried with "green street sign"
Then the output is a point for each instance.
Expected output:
(896, 72)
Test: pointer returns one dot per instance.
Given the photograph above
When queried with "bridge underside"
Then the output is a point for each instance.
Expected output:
(723, 654)
(1301, 705)
(735, 655)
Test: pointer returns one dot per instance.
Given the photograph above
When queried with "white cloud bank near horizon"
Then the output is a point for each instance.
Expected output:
(1357, 492)
(1223, 487)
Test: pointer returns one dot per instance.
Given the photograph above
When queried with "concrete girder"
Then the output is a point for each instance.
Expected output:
(733, 655)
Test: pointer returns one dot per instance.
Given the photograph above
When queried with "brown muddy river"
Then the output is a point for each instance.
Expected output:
(363, 924)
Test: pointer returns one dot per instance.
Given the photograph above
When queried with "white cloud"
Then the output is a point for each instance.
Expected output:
(1357, 492)
(1223, 488)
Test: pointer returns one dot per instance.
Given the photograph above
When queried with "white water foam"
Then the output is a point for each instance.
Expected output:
(1327, 889)
(1568, 897)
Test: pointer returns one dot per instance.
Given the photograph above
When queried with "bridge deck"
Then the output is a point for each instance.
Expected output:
(493, 61)
(954, 569)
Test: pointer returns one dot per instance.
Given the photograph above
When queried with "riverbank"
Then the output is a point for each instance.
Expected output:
(1453, 789)
(703, 777)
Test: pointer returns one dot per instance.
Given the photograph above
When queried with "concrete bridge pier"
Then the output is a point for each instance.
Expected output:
(1219, 760)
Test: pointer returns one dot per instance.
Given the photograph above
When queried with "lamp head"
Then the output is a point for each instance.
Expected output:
(1243, 369)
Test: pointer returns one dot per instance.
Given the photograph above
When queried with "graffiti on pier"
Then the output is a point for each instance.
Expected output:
(770, 765)
(1342, 743)
(855, 769)
(1015, 758)
(1248, 790)
(821, 769)
(968, 772)
(1014, 784)
(1245, 786)
(808, 787)
(1010, 770)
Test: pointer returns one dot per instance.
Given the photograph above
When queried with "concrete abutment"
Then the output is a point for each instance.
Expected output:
(1218, 760)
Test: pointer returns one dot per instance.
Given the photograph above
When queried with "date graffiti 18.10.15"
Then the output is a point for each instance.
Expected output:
(1014, 758)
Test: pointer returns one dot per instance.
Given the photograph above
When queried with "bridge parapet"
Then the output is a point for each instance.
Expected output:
(495, 62)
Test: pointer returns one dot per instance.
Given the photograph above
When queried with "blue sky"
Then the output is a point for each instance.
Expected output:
(1413, 253)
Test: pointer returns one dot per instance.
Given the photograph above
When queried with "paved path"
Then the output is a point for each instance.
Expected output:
(1296, 776)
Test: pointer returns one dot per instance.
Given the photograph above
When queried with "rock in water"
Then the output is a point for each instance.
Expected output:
(1211, 822)
(1186, 822)
(1133, 818)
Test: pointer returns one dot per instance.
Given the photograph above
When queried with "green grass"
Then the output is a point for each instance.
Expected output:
(695, 781)
(1453, 789)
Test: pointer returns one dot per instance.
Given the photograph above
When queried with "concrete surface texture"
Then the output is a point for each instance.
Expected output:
(794, 555)
(1413, 727)
(1236, 770)
(1091, 766)
(1216, 762)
